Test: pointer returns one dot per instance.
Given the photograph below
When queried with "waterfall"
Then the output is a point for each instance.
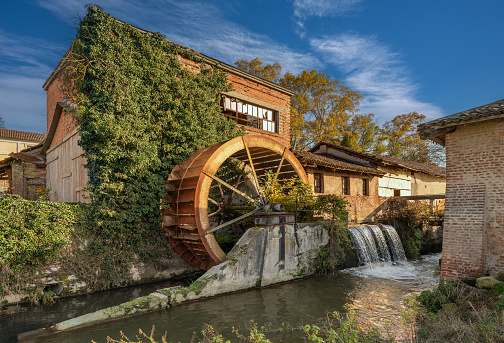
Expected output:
(372, 245)
(363, 239)
(395, 243)
(383, 250)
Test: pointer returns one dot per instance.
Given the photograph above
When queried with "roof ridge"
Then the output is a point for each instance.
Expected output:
(22, 135)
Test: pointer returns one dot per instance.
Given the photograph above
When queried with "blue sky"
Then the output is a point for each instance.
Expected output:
(434, 57)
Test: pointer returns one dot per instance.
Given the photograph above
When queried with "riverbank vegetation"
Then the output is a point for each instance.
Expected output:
(451, 312)
(456, 312)
(33, 233)
(410, 218)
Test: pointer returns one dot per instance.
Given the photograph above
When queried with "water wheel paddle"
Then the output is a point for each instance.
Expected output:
(224, 177)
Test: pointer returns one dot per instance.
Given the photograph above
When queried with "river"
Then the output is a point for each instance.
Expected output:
(376, 294)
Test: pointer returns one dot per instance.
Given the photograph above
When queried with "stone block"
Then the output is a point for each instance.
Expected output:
(487, 282)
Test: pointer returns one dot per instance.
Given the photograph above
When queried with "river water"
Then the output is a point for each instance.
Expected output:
(376, 293)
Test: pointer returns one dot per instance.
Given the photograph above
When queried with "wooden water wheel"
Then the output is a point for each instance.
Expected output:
(225, 177)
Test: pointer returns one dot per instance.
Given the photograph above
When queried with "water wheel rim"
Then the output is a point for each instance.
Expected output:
(208, 161)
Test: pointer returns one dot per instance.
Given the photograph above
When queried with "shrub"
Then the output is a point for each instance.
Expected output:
(34, 232)
(408, 218)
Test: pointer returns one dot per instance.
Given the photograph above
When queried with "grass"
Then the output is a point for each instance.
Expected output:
(465, 314)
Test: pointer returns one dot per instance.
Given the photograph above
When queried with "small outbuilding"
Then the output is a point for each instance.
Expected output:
(16, 142)
(473, 243)
(24, 173)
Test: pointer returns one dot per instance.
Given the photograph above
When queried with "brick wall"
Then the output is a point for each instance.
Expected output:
(474, 211)
(260, 94)
(267, 95)
(249, 89)
(67, 122)
(26, 178)
(361, 208)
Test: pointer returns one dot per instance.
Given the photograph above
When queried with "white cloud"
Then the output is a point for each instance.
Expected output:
(376, 72)
(304, 9)
(23, 102)
(198, 25)
(25, 63)
(28, 56)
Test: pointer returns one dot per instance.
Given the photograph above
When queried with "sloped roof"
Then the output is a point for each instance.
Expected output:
(22, 135)
(31, 154)
(416, 166)
(388, 160)
(486, 111)
(210, 60)
(309, 157)
(437, 129)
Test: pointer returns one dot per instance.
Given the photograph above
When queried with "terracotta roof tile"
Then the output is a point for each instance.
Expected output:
(488, 110)
(422, 167)
(309, 157)
(416, 166)
(22, 135)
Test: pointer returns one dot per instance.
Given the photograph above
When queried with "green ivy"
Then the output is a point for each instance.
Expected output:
(140, 114)
(34, 232)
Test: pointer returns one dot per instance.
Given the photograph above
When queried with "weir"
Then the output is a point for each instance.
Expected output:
(372, 247)
(277, 253)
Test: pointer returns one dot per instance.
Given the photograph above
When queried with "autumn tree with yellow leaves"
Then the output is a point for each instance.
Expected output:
(324, 110)
(320, 106)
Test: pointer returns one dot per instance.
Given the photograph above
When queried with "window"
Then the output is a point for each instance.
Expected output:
(250, 115)
(318, 182)
(365, 187)
(397, 192)
(345, 183)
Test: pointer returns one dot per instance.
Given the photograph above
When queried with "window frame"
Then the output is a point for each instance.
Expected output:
(250, 117)
(320, 187)
(365, 187)
(345, 185)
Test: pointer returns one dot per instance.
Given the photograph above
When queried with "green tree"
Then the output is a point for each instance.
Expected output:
(320, 108)
(270, 72)
(364, 134)
(2, 123)
(403, 141)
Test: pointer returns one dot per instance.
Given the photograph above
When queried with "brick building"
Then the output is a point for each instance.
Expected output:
(473, 243)
(367, 180)
(355, 183)
(258, 105)
(24, 173)
(13, 141)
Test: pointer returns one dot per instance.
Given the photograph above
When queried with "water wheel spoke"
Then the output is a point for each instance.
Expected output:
(280, 164)
(215, 213)
(237, 219)
(254, 175)
(224, 183)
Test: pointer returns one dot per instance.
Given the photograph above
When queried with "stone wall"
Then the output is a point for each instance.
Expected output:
(61, 278)
(26, 179)
(474, 211)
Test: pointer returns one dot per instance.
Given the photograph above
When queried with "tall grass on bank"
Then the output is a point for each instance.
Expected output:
(335, 328)
(456, 312)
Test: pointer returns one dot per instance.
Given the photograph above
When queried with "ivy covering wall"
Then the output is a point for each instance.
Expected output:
(140, 114)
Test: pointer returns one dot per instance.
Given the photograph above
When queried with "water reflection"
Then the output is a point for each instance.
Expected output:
(376, 300)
